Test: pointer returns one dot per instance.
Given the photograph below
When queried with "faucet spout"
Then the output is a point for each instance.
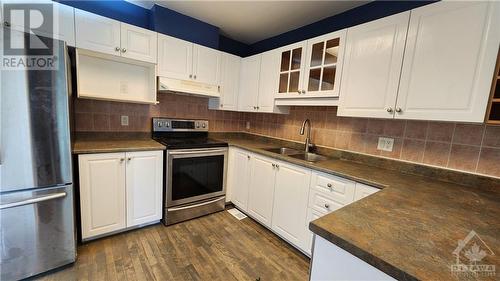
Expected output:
(307, 143)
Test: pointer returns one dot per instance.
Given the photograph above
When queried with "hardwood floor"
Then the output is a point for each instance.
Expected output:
(215, 247)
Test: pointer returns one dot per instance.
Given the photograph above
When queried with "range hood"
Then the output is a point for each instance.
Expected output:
(166, 84)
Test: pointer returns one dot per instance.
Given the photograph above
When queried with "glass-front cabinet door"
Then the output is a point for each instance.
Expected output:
(324, 64)
(292, 70)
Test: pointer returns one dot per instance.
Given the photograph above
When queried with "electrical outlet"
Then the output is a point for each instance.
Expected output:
(124, 120)
(248, 125)
(385, 144)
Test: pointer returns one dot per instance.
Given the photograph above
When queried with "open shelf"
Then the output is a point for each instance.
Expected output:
(493, 112)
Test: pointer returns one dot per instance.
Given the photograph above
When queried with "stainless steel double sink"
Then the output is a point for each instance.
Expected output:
(298, 154)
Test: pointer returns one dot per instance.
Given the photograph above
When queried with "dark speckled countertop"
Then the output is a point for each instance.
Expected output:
(113, 142)
(411, 227)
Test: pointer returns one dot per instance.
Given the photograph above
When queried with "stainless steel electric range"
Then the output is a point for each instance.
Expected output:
(195, 169)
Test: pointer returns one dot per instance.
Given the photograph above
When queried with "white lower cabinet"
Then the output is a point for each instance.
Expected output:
(119, 190)
(290, 203)
(261, 193)
(286, 197)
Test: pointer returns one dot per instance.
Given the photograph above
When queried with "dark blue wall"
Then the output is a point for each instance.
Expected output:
(172, 23)
(175, 24)
(368, 12)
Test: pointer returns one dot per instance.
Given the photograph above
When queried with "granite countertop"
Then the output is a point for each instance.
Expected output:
(410, 228)
(114, 143)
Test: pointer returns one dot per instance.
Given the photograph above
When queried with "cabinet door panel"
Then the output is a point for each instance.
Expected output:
(323, 66)
(268, 82)
(290, 203)
(102, 193)
(206, 64)
(291, 70)
(249, 83)
(230, 81)
(239, 177)
(311, 215)
(175, 57)
(261, 189)
(138, 43)
(372, 65)
(449, 61)
(97, 33)
(144, 187)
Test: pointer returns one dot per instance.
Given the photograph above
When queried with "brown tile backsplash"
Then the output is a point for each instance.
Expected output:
(466, 147)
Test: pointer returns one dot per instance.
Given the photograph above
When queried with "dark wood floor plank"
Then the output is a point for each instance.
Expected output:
(214, 247)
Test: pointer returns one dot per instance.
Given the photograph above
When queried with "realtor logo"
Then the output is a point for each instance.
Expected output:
(27, 32)
(471, 255)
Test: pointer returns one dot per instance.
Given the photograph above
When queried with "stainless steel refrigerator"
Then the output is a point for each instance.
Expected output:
(37, 231)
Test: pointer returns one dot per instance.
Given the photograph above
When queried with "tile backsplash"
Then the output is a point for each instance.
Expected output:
(466, 147)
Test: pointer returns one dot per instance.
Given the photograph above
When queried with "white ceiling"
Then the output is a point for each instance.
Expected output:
(252, 21)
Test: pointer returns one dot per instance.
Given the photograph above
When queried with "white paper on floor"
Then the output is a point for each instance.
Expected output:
(236, 213)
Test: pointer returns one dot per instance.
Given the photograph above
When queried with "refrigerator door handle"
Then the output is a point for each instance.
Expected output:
(33, 200)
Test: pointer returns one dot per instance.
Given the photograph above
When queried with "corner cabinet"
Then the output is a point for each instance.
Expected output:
(119, 191)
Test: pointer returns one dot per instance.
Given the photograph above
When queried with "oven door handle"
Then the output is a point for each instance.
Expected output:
(190, 152)
(194, 206)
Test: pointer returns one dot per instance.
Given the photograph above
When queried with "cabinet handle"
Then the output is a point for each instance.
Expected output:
(117, 49)
(190, 75)
(389, 109)
(399, 110)
(327, 206)
(124, 50)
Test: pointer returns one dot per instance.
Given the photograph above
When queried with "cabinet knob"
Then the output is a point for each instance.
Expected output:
(258, 107)
(124, 50)
(6, 23)
(122, 159)
(221, 106)
(248, 157)
(117, 49)
(190, 75)
(130, 158)
(303, 91)
(298, 91)
(277, 166)
(399, 110)
(329, 185)
(389, 109)
(327, 206)
(274, 165)
(194, 77)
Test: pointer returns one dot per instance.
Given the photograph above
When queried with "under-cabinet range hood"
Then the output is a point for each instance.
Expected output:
(188, 87)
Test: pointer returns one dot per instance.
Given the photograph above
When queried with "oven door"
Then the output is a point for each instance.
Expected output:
(195, 174)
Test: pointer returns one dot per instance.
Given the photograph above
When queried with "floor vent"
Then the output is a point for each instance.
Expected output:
(236, 213)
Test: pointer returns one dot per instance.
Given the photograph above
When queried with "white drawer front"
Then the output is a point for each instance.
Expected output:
(335, 188)
(324, 204)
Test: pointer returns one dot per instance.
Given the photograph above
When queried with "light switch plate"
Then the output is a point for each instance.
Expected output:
(385, 144)
(124, 120)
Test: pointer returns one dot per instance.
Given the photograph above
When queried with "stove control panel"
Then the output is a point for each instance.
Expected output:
(179, 125)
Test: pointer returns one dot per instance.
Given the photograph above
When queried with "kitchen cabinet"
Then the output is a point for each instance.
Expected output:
(372, 67)
(104, 35)
(258, 84)
(184, 60)
(261, 191)
(63, 19)
(291, 69)
(311, 215)
(363, 190)
(119, 191)
(138, 43)
(449, 61)
(239, 177)
(249, 83)
(144, 182)
(230, 77)
(102, 193)
(290, 203)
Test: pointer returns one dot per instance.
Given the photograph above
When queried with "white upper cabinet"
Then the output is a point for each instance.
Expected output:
(175, 57)
(268, 83)
(449, 61)
(206, 65)
(104, 35)
(63, 27)
(97, 33)
(291, 70)
(138, 43)
(249, 83)
(323, 67)
(230, 82)
(372, 67)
